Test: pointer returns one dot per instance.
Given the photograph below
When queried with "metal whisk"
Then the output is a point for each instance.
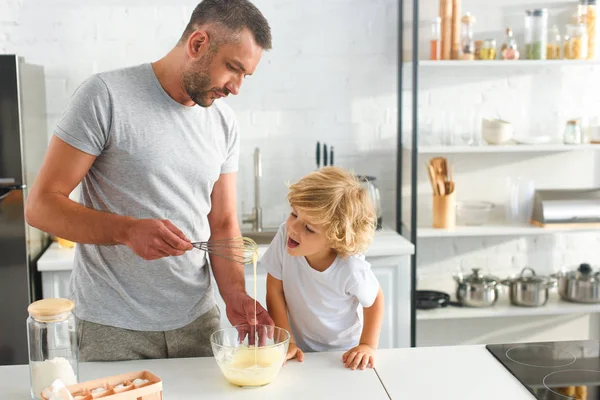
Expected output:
(240, 250)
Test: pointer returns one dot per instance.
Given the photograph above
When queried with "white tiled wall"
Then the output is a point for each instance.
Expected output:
(332, 77)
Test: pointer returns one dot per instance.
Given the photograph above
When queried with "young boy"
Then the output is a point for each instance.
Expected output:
(317, 275)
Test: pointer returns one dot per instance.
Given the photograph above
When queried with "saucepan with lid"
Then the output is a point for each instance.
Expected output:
(529, 289)
(477, 290)
(579, 286)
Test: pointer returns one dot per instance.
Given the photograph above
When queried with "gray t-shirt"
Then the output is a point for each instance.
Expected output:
(155, 159)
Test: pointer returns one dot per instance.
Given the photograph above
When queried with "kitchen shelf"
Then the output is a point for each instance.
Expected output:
(503, 308)
(503, 63)
(495, 229)
(508, 148)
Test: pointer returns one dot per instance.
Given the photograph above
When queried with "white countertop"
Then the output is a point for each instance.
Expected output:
(461, 373)
(387, 242)
(450, 372)
(320, 376)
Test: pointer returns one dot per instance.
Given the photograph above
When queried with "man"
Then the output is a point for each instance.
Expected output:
(157, 156)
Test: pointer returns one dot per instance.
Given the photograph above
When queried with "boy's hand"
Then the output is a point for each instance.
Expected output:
(294, 352)
(360, 356)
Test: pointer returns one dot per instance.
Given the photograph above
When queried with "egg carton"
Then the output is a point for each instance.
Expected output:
(119, 387)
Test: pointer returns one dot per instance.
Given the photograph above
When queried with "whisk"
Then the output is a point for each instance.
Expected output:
(241, 250)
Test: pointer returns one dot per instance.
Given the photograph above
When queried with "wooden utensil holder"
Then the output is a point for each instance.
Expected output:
(444, 211)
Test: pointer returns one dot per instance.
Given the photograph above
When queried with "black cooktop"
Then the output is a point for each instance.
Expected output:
(554, 370)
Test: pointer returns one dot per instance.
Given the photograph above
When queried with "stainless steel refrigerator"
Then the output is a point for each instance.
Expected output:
(23, 143)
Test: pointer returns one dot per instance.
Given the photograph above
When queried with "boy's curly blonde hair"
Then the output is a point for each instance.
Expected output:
(334, 198)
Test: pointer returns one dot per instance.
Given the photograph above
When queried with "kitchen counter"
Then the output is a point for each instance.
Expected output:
(387, 242)
(461, 372)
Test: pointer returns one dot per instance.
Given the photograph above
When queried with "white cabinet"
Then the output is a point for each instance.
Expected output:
(393, 274)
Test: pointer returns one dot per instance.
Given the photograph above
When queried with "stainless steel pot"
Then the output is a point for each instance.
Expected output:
(476, 290)
(529, 290)
(579, 286)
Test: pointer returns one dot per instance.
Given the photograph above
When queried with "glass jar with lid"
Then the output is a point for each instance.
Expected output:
(467, 44)
(587, 15)
(488, 50)
(536, 33)
(572, 133)
(52, 338)
(576, 48)
(554, 48)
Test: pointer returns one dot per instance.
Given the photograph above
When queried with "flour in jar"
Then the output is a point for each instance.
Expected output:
(43, 373)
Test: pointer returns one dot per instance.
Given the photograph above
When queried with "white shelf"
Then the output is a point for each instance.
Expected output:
(508, 148)
(494, 229)
(503, 308)
(503, 63)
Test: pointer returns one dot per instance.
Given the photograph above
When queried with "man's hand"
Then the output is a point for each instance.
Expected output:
(360, 356)
(152, 239)
(240, 312)
(294, 352)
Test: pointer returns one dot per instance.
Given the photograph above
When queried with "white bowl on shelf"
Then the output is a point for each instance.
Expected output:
(496, 131)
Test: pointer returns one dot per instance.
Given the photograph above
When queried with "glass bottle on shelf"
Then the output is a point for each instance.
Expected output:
(435, 44)
(576, 48)
(509, 49)
(467, 45)
(478, 46)
(536, 33)
(586, 12)
(572, 133)
(554, 47)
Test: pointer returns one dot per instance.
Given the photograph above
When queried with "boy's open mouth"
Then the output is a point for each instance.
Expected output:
(292, 243)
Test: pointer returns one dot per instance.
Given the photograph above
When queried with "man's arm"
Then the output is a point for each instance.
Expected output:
(228, 274)
(50, 209)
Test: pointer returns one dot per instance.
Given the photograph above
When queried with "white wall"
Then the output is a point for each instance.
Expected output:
(331, 76)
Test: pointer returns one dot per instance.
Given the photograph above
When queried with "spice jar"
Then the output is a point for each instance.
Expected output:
(587, 15)
(572, 133)
(478, 46)
(467, 45)
(576, 48)
(536, 33)
(488, 50)
(554, 47)
(435, 43)
(509, 50)
(52, 338)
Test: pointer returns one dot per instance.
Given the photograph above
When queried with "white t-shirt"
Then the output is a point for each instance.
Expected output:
(323, 307)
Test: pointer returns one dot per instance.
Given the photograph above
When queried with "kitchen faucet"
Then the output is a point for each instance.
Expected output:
(255, 218)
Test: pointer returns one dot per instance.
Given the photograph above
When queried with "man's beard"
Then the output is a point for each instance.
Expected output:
(196, 82)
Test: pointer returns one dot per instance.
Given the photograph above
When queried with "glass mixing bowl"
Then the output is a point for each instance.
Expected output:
(244, 364)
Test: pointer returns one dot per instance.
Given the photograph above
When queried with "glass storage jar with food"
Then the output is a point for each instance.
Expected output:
(576, 48)
(536, 33)
(587, 15)
(435, 43)
(572, 133)
(554, 47)
(52, 338)
(509, 49)
(488, 50)
(467, 45)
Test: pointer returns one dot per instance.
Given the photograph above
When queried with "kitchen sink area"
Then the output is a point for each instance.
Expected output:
(261, 238)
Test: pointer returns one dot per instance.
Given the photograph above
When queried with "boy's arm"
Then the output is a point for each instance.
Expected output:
(276, 304)
(364, 354)
(373, 319)
(278, 310)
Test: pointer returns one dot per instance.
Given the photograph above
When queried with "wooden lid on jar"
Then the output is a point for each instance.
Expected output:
(50, 310)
